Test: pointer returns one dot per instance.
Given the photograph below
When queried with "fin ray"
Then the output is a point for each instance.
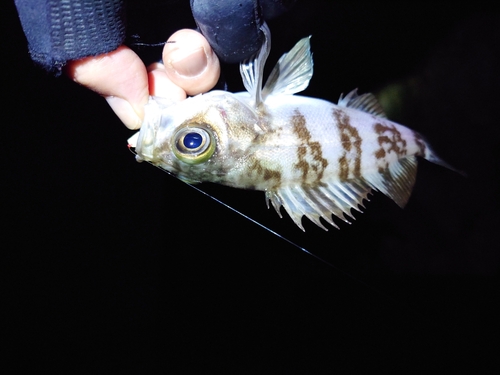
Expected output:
(252, 69)
(366, 102)
(338, 198)
(293, 71)
(335, 198)
(397, 181)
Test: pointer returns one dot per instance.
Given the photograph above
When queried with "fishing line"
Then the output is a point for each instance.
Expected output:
(289, 241)
(345, 273)
(140, 44)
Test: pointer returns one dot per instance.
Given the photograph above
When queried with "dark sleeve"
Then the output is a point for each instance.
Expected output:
(232, 27)
(62, 30)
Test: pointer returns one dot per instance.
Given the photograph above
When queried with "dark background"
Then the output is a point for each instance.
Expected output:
(113, 265)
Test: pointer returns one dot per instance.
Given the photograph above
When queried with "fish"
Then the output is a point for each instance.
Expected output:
(313, 157)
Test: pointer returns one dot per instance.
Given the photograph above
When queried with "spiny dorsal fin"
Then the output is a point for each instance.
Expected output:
(293, 71)
(252, 69)
(366, 102)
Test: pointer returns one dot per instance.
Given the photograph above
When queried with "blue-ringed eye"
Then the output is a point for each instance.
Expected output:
(193, 145)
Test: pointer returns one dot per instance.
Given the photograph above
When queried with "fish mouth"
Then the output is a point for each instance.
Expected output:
(132, 141)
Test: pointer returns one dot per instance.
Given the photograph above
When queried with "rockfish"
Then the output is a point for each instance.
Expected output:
(310, 156)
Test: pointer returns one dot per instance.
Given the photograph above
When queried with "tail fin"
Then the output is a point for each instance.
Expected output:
(432, 157)
(428, 153)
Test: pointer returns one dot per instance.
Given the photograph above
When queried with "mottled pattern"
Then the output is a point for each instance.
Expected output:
(310, 158)
(419, 141)
(390, 141)
(350, 160)
(266, 174)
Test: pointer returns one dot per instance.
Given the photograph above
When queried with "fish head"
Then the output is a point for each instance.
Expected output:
(200, 139)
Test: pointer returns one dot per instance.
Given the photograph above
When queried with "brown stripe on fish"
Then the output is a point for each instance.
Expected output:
(312, 169)
(266, 173)
(419, 141)
(351, 143)
(390, 140)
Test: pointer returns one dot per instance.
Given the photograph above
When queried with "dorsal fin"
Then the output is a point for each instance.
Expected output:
(252, 69)
(293, 71)
(366, 102)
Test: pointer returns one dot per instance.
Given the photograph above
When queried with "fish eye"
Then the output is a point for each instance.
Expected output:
(192, 140)
(193, 145)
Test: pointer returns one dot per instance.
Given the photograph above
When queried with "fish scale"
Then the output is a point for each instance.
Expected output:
(313, 157)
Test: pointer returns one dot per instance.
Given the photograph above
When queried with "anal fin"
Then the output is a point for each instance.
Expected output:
(397, 181)
(320, 201)
(339, 197)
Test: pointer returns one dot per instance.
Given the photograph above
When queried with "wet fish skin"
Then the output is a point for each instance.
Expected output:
(309, 155)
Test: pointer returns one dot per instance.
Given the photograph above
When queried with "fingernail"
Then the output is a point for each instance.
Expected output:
(189, 64)
(125, 112)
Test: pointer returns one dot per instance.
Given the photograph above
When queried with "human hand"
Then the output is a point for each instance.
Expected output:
(190, 67)
(233, 27)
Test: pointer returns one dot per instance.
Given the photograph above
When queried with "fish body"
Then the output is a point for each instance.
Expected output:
(311, 156)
